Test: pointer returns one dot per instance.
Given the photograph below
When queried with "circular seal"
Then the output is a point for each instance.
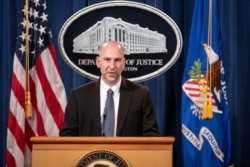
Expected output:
(151, 39)
(102, 158)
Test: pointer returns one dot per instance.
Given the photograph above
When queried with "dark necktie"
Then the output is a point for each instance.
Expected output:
(110, 120)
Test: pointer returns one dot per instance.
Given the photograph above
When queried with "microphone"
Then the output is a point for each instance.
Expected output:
(104, 119)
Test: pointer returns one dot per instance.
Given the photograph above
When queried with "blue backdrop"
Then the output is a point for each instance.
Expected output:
(166, 88)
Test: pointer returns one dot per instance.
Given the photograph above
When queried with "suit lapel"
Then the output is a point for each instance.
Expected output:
(125, 97)
(94, 96)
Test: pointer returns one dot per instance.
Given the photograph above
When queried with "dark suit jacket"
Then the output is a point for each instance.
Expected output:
(136, 115)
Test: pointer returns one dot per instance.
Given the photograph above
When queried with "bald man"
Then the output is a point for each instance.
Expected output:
(133, 108)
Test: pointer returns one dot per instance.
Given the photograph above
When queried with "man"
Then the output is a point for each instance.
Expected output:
(134, 113)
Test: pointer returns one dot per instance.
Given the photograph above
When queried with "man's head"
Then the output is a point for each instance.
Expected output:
(111, 62)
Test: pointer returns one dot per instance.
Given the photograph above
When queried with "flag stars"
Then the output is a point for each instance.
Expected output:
(44, 6)
(42, 30)
(38, 23)
(30, 12)
(35, 26)
(22, 48)
(30, 24)
(22, 36)
(37, 3)
(40, 42)
(35, 14)
(23, 23)
(24, 10)
(44, 17)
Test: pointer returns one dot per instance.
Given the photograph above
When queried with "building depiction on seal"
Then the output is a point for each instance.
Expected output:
(134, 38)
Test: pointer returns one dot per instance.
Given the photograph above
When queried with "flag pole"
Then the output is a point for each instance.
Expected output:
(28, 105)
(207, 107)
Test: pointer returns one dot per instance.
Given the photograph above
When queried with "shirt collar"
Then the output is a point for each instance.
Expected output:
(115, 88)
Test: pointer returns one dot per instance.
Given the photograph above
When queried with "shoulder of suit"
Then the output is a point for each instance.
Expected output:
(88, 86)
(132, 85)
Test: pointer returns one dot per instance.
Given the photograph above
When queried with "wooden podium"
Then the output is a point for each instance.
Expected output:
(67, 151)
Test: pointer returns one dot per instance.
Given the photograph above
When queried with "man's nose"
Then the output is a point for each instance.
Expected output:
(112, 64)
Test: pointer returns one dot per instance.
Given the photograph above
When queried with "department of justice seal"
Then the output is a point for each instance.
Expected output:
(102, 158)
(151, 39)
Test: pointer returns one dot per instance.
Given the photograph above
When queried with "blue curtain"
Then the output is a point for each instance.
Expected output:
(166, 88)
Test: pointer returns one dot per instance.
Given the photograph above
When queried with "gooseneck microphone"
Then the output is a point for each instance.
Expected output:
(104, 119)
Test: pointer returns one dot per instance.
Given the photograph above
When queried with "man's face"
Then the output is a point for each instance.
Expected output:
(111, 62)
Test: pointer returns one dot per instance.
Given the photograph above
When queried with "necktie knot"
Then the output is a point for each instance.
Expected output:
(110, 92)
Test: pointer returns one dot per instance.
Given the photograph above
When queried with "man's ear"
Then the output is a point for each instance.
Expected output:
(97, 60)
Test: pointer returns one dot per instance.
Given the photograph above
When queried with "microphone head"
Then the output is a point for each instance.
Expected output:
(105, 111)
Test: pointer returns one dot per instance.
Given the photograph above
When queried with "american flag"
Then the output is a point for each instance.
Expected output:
(48, 95)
